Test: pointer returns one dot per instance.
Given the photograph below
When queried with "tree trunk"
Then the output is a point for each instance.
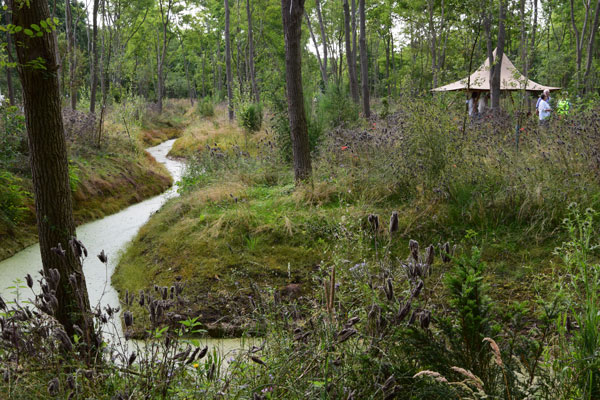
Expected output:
(251, 55)
(291, 13)
(228, 62)
(497, 68)
(9, 83)
(191, 91)
(312, 35)
(71, 49)
(49, 167)
(94, 59)
(165, 15)
(433, 39)
(364, 66)
(590, 49)
(354, 47)
(323, 39)
(387, 64)
(350, 56)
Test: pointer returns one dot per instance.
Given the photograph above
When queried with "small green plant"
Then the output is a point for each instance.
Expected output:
(205, 107)
(250, 117)
(12, 133)
(12, 199)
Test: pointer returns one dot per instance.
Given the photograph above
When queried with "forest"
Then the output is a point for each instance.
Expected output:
(299, 199)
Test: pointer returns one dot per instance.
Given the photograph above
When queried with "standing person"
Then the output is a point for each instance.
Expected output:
(544, 109)
(482, 104)
(472, 104)
(537, 105)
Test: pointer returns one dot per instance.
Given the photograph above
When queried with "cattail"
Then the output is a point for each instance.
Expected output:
(103, 257)
(193, 356)
(142, 297)
(394, 222)
(132, 358)
(495, 350)
(128, 318)
(53, 387)
(29, 280)
(58, 250)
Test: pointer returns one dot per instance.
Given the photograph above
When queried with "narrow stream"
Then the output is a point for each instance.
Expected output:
(111, 234)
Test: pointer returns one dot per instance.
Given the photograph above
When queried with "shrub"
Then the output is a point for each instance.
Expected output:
(12, 199)
(335, 108)
(250, 116)
(205, 107)
(12, 134)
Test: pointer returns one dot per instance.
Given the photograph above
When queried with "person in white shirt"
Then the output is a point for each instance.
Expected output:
(472, 104)
(544, 109)
(482, 104)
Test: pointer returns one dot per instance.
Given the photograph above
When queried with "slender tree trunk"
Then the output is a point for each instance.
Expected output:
(71, 50)
(590, 49)
(323, 38)
(228, 62)
(9, 83)
(495, 82)
(165, 15)
(350, 56)
(364, 66)
(187, 73)
(354, 35)
(433, 39)
(49, 166)
(387, 64)
(251, 54)
(291, 12)
(312, 35)
(94, 58)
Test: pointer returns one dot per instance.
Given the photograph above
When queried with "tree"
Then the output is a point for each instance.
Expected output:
(251, 54)
(165, 8)
(364, 68)
(228, 62)
(94, 58)
(349, 55)
(71, 50)
(48, 158)
(496, 64)
(291, 13)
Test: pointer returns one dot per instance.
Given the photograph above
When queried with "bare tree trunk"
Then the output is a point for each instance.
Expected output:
(497, 68)
(251, 54)
(323, 38)
(364, 66)
(354, 47)
(191, 91)
(49, 166)
(228, 62)
(165, 15)
(291, 13)
(9, 83)
(433, 39)
(94, 59)
(350, 56)
(312, 35)
(590, 49)
(71, 49)
(387, 63)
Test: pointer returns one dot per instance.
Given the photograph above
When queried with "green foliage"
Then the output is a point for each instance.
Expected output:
(583, 280)
(205, 108)
(12, 199)
(12, 134)
(250, 116)
(335, 108)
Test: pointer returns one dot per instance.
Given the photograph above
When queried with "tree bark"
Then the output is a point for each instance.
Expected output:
(228, 63)
(497, 68)
(49, 167)
(364, 66)
(9, 83)
(350, 56)
(165, 15)
(312, 35)
(94, 59)
(71, 49)
(291, 13)
(251, 54)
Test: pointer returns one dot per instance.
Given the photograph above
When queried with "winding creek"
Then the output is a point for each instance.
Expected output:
(111, 234)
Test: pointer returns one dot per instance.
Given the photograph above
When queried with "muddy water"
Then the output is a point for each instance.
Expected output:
(111, 234)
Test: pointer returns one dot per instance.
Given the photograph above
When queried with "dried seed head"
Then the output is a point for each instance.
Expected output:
(103, 257)
(29, 280)
(373, 222)
(73, 281)
(193, 356)
(432, 374)
(53, 387)
(64, 339)
(2, 304)
(127, 297)
(165, 293)
(425, 319)
(413, 245)
(258, 360)
(417, 290)
(429, 253)
(470, 376)
(142, 297)
(132, 358)
(128, 318)
(203, 353)
(71, 382)
(58, 250)
(403, 312)
(346, 334)
(389, 289)
(495, 350)
(394, 222)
